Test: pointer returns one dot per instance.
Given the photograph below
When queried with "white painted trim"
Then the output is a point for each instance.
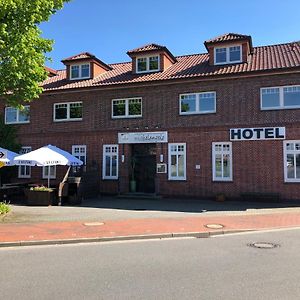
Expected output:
(80, 71)
(29, 148)
(198, 112)
(281, 98)
(18, 115)
(68, 119)
(44, 176)
(104, 177)
(126, 116)
(177, 178)
(285, 152)
(226, 179)
(75, 154)
(147, 64)
(228, 54)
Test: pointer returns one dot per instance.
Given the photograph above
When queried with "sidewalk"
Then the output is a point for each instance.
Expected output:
(20, 234)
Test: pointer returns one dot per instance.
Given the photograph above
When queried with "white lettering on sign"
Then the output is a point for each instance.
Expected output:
(254, 134)
(143, 137)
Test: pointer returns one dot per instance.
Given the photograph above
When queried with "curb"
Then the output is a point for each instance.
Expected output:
(122, 238)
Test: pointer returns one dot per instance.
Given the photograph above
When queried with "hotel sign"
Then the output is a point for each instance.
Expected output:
(143, 137)
(255, 134)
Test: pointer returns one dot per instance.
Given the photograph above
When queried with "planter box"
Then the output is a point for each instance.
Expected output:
(41, 198)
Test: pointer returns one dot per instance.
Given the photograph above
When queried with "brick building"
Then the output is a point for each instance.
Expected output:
(226, 121)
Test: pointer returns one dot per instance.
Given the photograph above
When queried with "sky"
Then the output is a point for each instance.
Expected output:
(109, 28)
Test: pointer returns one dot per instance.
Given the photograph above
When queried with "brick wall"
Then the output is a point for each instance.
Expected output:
(257, 166)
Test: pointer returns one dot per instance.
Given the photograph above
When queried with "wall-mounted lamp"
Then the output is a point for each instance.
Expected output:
(161, 158)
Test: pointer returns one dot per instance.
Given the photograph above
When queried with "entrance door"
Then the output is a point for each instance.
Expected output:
(145, 167)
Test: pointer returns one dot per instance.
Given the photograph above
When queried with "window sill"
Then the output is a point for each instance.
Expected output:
(67, 120)
(197, 113)
(279, 108)
(126, 117)
(17, 123)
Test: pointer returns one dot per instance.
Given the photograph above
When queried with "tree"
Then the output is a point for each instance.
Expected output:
(8, 140)
(22, 49)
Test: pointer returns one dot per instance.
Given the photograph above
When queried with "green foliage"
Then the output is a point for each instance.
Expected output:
(8, 140)
(22, 49)
(8, 136)
(4, 208)
(41, 189)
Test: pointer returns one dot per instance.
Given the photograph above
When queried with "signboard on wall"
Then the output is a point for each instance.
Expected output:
(255, 134)
(143, 137)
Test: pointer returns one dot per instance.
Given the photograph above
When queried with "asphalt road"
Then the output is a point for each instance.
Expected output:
(223, 267)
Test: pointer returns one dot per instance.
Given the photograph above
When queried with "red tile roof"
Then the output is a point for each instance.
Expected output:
(83, 55)
(266, 58)
(145, 48)
(51, 72)
(228, 37)
(151, 48)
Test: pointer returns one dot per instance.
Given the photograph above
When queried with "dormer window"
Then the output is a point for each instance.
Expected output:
(80, 71)
(228, 55)
(147, 64)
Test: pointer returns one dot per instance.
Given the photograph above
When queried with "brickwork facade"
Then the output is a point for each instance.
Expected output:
(257, 165)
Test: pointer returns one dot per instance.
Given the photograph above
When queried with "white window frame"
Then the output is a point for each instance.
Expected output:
(80, 71)
(170, 153)
(24, 150)
(45, 176)
(104, 176)
(80, 147)
(285, 152)
(197, 112)
(222, 152)
(126, 108)
(18, 115)
(147, 64)
(228, 61)
(68, 119)
(281, 98)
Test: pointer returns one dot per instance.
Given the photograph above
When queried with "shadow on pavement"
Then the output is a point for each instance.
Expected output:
(180, 205)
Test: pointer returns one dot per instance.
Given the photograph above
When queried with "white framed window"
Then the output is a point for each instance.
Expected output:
(147, 64)
(46, 172)
(127, 108)
(227, 55)
(81, 71)
(110, 166)
(69, 111)
(79, 151)
(291, 152)
(197, 103)
(177, 161)
(222, 161)
(17, 116)
(24, 171)
(283, 97)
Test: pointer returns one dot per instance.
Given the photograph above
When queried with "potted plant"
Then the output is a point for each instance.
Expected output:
(41, 195)
(132, 178)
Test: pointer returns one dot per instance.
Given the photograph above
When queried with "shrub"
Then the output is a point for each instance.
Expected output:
(4, 208)
(41, 189)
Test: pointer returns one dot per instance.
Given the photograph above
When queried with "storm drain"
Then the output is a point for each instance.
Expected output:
(263, 245)
(93, 224)
(214, 226)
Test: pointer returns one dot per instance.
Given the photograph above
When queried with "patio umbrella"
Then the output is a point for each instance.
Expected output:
(47, 156)
(7, 157)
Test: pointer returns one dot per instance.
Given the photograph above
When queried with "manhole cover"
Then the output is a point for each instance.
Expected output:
(93, 223)
(214, 226)
(264, 245)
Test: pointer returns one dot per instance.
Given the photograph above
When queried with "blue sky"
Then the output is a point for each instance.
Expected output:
(109, 29)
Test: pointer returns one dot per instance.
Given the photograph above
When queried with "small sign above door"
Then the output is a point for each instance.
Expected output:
(143, 137)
